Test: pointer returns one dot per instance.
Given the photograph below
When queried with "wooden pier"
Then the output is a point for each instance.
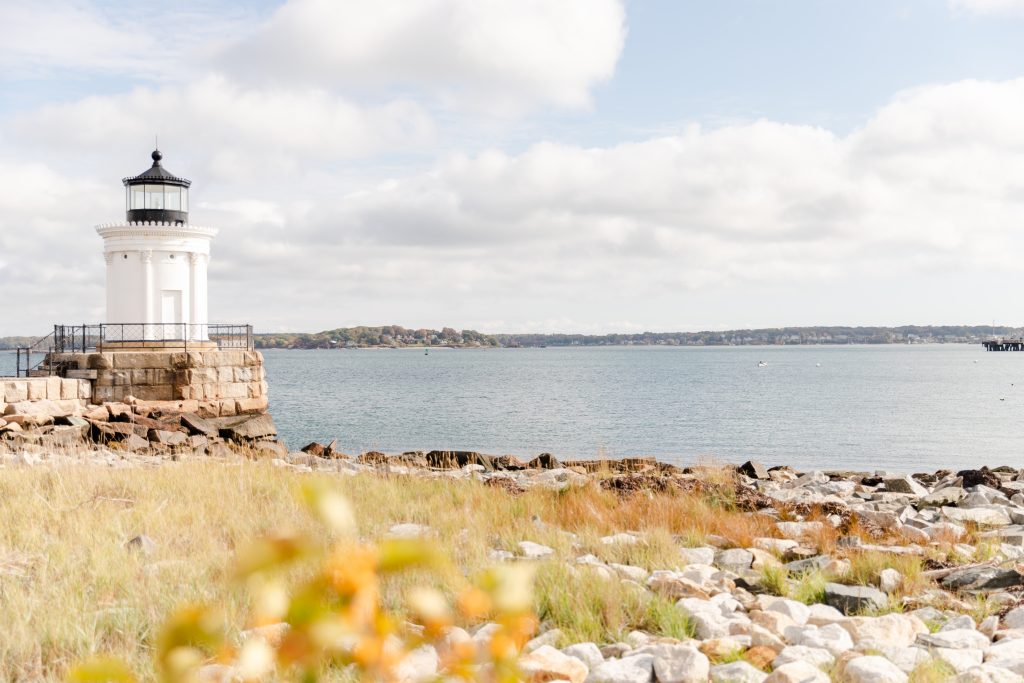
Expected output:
(1004, 344)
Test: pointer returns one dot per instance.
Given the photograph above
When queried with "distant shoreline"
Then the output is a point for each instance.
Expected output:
(616, 346)
(382, 347)
(396, 336)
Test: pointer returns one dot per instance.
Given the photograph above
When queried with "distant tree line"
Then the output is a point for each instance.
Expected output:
(772, 336)
(397, 336)
(385, 336)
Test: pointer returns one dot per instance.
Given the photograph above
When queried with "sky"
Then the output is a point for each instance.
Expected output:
(528, 165)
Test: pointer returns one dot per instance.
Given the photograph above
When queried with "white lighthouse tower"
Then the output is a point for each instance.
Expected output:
(156, 263)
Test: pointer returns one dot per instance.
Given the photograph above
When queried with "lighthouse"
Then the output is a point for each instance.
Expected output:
(156, 353)
(156, 263)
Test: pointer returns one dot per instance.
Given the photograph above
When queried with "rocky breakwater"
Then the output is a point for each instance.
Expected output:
(145, 428)
(823, 575)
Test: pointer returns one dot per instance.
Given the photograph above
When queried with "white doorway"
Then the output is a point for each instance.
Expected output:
(173, 327)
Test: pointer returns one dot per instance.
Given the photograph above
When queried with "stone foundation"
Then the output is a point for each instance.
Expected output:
(209, 383)
(206, 402)
(22, 398)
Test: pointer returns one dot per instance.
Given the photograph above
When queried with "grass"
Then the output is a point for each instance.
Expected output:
(810, 587)
(932, 671)
(71, 587)
(590, 608)
(774, 580)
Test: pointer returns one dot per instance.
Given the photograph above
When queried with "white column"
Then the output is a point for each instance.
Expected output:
(147, 291)
(193, 305)
(200, 312)
(109, 258)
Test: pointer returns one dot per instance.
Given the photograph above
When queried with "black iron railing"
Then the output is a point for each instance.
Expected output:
(86, 338)
(26, 363)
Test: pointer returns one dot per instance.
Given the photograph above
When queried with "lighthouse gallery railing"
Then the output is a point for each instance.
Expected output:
(169, 336)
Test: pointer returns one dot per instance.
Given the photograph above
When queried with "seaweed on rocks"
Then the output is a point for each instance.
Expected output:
(507, 484)
(630, 484)
(984, 477)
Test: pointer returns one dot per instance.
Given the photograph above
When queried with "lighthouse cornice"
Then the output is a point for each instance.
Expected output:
(143, 229)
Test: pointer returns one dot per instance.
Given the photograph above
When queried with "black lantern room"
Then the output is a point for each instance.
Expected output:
(156, 195)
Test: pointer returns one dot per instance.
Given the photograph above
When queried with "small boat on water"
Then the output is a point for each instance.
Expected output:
(762, 364)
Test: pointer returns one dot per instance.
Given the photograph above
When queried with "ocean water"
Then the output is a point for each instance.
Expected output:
(902, 408)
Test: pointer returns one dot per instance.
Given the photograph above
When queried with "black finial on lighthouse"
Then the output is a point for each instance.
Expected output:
(156, 195)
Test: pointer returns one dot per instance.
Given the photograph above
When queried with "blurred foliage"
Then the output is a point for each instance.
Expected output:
(333, 621)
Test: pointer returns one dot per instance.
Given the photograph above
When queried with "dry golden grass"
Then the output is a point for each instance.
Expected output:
(70, 588)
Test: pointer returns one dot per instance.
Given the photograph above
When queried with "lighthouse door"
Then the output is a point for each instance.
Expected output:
(171, 318)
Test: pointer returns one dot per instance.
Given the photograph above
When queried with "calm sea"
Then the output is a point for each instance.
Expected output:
(904, 408)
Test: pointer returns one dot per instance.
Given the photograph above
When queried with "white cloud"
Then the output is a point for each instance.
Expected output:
(651, 232)
(989, 6)
(227, 130)
(930, 183)
(83, 38)
(498, 55)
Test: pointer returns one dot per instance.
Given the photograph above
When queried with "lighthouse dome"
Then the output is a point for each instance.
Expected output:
(157, 195)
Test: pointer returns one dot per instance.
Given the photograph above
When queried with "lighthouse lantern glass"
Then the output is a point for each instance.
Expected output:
(172, 198)
(154, 196)
(138, 197)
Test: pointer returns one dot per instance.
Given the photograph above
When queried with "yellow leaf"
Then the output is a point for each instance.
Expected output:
(196, 628)
(101, 670)
(429, 606)
(330, 506)
(510, 587)
(271, 553)
(397, 554)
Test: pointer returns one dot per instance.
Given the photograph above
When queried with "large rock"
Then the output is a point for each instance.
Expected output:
(735, 560)
(588, 653)
(249, 428)
(534, 551)
(987, 673)
(167, 438)
(737, 672)
(904, 485)
(451, 460)
(890, 630)
(797, 672)
(697, 555)
(958, 660)
(872, 669)
(832, 638)
(1014, 618)
(198, 425)
(544, 461)
(817, 656)
(982, 578)
(636, 669)
(1008, 648)
(956, 639)
(680, 664)
(548, 664)
(797, 611)
(111, 432)
(754, 470)
(949, 495)
(853, 599)
(987, 516)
